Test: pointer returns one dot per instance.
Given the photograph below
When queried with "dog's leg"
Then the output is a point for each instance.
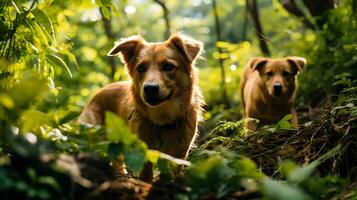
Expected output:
(92, 114)
(251, 125)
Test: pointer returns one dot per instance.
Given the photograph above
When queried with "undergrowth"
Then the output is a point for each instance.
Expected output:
(43, 159)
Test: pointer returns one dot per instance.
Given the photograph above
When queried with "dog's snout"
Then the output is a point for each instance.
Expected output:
(277, 88)
(151, 89)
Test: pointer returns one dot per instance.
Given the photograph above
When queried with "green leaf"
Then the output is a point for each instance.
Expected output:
(23, 93)
(166, 169)
(49, 2)
(115, 149)
(57, 61)
(38, 34)
(285, 123)
(117, 130)
(104, 2)
(6, 101)
(286, 167)
(245, 167)
(275, 190)
(135, 156)
(300, 174)
(45, 21)
(33, 119)
(72, 58)
(49, 181)
(152, 155)
(105, 11)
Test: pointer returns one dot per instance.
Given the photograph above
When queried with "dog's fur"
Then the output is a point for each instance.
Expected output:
(260, 83)
(166, 121)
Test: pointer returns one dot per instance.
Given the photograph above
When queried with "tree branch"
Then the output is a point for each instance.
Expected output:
(218, 38)
(318, 8)
(253, 10)
(166, 17)
(110, 35)
(292, 8)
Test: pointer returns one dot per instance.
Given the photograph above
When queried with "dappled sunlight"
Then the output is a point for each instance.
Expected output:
(62, 136)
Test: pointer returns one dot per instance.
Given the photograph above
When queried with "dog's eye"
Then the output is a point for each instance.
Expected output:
(270, 74)
(286, 74)
(141, 68)
(168, 67)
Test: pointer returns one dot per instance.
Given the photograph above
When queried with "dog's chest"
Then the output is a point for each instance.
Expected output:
(172, 139)
(273, 113)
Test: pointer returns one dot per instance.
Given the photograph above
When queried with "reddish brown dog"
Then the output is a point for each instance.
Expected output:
(162, 103)
(268, 89)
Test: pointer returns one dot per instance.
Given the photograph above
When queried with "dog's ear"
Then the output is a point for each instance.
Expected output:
(257, 63)
(297, 63)
(187, 47)
(128, 48)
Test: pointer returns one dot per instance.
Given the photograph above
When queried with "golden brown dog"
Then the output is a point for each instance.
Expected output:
(162, 103)
(268, 89)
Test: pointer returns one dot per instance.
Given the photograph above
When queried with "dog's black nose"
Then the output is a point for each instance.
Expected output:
(151, 89)
(277, 89)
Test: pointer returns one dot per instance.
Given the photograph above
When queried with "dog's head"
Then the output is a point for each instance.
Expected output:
(278, 75)
(160, 71)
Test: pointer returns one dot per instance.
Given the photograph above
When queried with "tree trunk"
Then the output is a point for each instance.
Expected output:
(110, 35)
(253, 10)
(318, 8)
(167, 33)
(292, 8)
(245, 25)
(218, 38)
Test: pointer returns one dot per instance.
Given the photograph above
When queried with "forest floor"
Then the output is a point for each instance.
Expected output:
(226, 164)
(330, 138)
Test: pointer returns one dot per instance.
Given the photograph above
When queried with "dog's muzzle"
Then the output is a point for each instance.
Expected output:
(153, 96)
(277, 89)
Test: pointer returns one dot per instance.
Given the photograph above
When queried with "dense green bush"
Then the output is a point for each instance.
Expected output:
(332, 54)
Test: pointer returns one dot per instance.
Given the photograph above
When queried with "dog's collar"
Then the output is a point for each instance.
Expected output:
(131, 114)
(171, 126)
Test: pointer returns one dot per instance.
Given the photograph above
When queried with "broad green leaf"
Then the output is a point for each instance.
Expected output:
(117, 130)
(152, 155)
(275, 190)
(115, 149)
(135, 156)
(285, 123)
(24, 93)
(32, 119)
(245, 167)
(286, 167)
(301, 174)
(166, 168)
